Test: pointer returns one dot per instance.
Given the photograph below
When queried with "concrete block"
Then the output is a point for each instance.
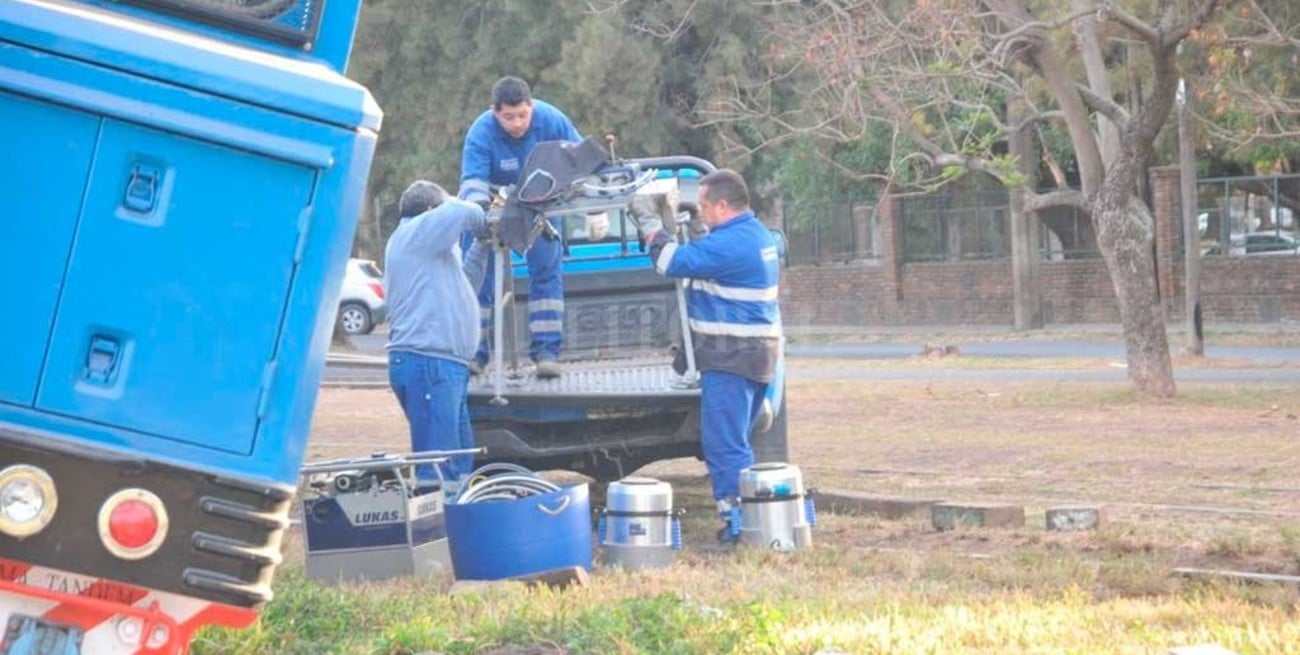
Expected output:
(1202, 649)
(949, 516)
(562, 578)
(841, 501)
(1074, 519)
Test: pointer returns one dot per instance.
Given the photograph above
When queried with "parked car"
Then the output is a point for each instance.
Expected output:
(1265, 243)
(1256, 243)
(361, 303)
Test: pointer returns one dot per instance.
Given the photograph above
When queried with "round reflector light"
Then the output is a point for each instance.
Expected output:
(132, 523)
(27, 500)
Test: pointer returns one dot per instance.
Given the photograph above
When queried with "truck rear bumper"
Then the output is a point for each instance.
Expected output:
(643, 379)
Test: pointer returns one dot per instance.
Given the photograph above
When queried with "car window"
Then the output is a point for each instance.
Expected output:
(1263, 243)
(370, 269)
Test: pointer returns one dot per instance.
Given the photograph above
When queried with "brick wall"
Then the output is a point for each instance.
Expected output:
(888, 292)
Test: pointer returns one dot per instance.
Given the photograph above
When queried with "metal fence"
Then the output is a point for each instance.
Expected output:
(948, 226)
(832, 231)
(1237, 216)
(953, 226)
(1248, 215)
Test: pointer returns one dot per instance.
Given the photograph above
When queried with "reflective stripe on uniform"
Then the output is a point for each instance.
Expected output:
(545, 305)
(737, 293)
(736, 329)
(545, 326)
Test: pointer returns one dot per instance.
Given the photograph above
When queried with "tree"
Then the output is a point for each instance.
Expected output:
(631, 69)
(940, 76)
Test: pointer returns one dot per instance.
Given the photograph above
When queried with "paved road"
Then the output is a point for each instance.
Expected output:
(1277, 364)
(1050, 348)
(900, 347)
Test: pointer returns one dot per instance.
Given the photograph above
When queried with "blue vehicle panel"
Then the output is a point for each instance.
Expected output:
(178, 210)
(296, 273)
(165, 285)
(37, 226)
(81, 31)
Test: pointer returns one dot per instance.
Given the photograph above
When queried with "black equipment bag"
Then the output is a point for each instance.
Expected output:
(549, 173)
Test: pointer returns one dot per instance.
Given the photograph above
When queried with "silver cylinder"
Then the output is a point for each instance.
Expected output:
(773, 513)
(638, 523)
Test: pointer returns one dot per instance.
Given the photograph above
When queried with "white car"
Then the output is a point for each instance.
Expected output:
(361, 303)
(1265, 243)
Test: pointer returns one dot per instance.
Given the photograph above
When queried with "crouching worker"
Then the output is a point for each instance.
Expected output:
(433, 321)
(735, 323)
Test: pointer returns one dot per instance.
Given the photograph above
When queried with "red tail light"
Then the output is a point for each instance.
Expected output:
(132, 523)
(378, 289)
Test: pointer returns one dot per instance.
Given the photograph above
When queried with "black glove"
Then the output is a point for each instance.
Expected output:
(484, 231)
(657, 243)
(679, 359)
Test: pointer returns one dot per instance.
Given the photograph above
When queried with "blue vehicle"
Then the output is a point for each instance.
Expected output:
(181, 186)
(619, 405)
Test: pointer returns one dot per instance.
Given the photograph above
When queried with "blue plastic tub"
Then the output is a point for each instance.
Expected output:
(507, 539)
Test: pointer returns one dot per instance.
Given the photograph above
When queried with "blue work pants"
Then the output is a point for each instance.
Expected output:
(728, 405)
(545, 299)
(433, 393)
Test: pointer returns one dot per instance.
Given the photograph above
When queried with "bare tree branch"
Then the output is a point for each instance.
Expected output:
(1107, 107)
(1058, 198)
(1145, 32)
(1200, 14)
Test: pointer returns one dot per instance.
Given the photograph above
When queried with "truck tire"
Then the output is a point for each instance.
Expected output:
(773, 445)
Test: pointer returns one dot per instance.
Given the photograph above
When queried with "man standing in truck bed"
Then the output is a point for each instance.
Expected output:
(735, 323)
(497, 146)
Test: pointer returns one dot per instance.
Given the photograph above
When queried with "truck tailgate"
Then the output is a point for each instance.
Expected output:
(634, 377)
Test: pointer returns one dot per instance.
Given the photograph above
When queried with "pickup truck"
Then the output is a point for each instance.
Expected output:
(619, 405)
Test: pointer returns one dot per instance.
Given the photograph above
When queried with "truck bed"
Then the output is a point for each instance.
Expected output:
(641, 377)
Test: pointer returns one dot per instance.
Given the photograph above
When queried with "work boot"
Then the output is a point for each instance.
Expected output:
(729, 512)
(548, 369)
(727, 536)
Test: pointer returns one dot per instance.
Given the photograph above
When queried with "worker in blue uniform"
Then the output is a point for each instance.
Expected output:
(497, 146)
(735, 323)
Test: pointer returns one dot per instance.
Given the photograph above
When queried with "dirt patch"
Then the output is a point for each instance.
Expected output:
(1204, 480)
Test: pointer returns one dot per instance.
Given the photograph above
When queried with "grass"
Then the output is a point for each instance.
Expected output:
(619, 613)
(1223, 453)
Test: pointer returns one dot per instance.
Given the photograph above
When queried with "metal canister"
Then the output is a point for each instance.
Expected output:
(775, 510)
(638, 527)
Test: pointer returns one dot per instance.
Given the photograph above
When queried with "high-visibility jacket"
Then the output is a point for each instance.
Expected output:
(732, 300)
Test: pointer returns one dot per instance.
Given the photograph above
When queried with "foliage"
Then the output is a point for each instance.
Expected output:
(923, 614)
(1242, 75)
(616, 69)
(686, 77)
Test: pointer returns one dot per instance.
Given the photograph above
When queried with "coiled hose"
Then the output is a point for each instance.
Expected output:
(495, 482)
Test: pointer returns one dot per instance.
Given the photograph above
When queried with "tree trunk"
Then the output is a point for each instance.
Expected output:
(1191, 231)
(339, 339)
(1125, 236)
(1026, 297)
